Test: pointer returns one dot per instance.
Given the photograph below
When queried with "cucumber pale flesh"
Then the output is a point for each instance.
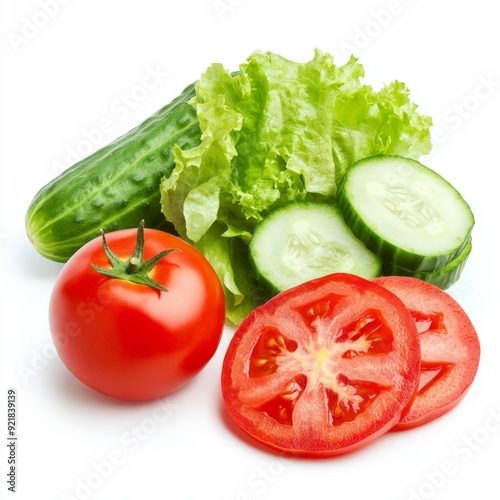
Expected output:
(115, 187)
(302, 241)
(405, 212)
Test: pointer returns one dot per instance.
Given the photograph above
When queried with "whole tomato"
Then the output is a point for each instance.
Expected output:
(136, 314)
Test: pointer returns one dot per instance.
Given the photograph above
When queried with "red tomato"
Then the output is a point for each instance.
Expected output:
(449, 345)
(322, 368)
(130, 340)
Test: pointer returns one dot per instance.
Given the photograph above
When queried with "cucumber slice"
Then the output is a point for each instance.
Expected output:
(302, 241)
(442, 278)
(405, 212)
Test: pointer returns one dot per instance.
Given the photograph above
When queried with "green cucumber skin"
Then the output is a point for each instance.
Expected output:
(388, 252)
(115, 187)
(443, 278)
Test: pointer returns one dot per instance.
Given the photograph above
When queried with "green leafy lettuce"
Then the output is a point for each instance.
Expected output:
(275, 132)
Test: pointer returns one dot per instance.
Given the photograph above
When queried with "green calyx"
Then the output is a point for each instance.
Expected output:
(134, 269)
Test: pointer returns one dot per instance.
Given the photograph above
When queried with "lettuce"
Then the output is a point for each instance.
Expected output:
(275, 132)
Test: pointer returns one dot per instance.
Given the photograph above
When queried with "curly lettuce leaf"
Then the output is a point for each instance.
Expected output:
(276, 132)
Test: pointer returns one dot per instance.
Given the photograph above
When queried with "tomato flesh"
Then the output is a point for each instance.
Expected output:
(449, 345)
(323, 368)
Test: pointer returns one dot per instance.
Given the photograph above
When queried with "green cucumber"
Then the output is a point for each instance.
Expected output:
(302, 241)
(114, 188)
(442, 278)
(405, 212)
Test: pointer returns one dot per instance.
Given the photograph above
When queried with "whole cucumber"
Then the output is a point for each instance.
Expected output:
(115, 187)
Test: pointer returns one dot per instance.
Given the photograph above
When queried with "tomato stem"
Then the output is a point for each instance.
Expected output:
(133, 265)
(133, 269)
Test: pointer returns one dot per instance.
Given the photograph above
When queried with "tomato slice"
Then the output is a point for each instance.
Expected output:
(449, 345)
(322, 368)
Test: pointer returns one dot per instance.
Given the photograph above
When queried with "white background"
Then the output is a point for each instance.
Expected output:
(70, 68)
